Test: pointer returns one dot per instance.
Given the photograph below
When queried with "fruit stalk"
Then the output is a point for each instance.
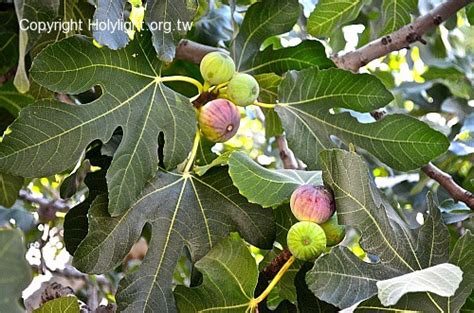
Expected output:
(254, 303)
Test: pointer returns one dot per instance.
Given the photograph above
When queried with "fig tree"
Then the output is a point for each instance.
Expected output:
(217, 68)
(334, 232)
(243, 89)
(219, 120)
(312, 203)
(306, 240)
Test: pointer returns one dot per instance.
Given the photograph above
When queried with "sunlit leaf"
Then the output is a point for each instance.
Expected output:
(230, 277)
(269, 188)
(49, 136)
(262, 20)
(399, 141)
(62, 305)
(442, 279)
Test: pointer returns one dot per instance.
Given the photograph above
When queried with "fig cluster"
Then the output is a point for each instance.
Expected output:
(318, 228)
(219, 119)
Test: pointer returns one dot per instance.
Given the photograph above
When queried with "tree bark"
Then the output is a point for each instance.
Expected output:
(401, 38)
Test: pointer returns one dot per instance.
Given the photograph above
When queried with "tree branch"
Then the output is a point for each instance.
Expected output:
(457, 192)
(286, 155)
(194, 52)
(401, 38)
(46, 209)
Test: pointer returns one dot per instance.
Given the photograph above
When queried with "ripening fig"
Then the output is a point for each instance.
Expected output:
(334, 232)
(243, 89)
(306, 240)
(217, 68)
(312, 203)
(219, 120)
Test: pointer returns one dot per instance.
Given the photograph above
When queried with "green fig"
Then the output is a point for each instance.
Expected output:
(243, 89)
(219, 120)
(306, 240)
(217, 68)
(334, 232)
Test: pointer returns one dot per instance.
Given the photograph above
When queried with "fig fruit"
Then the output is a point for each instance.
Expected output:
(334, 232)
(312, 203)
(217, 68)
(219, 120)
(306, 240)
(243, 89)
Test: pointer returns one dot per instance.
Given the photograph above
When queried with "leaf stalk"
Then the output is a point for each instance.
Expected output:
(186, 79)
(197, 140)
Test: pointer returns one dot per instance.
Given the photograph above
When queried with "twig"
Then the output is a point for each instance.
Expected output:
(7, 76)
(46, 209)
(447, 182)
(286, 155)
(401, 38)
(194, 52)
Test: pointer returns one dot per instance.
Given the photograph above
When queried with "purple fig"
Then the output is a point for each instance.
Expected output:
(219, 120)
(312, 203)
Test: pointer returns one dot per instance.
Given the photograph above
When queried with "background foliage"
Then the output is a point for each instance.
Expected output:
(96, 213)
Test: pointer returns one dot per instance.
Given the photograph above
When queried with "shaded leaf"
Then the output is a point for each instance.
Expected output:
(262, 20)
(268, 188)
(330, 15)
(454, 79)
(50, 136)
(398, 249)
(9, 40)
(182, 211)
(307, 302)
(16, 272)
(37, 11)
(269, 84)
(12, 100)
(60, 305)
(400, 141)
(75, 222)
(9, 188)
(230, 276)
(22, 219)
(396, 14)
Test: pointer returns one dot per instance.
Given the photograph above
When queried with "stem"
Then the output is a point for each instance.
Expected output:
(265, 105)
(207, 86)
(401, 38)
(197, 140)
(183, 79)
(254, 302)
(457, 192)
